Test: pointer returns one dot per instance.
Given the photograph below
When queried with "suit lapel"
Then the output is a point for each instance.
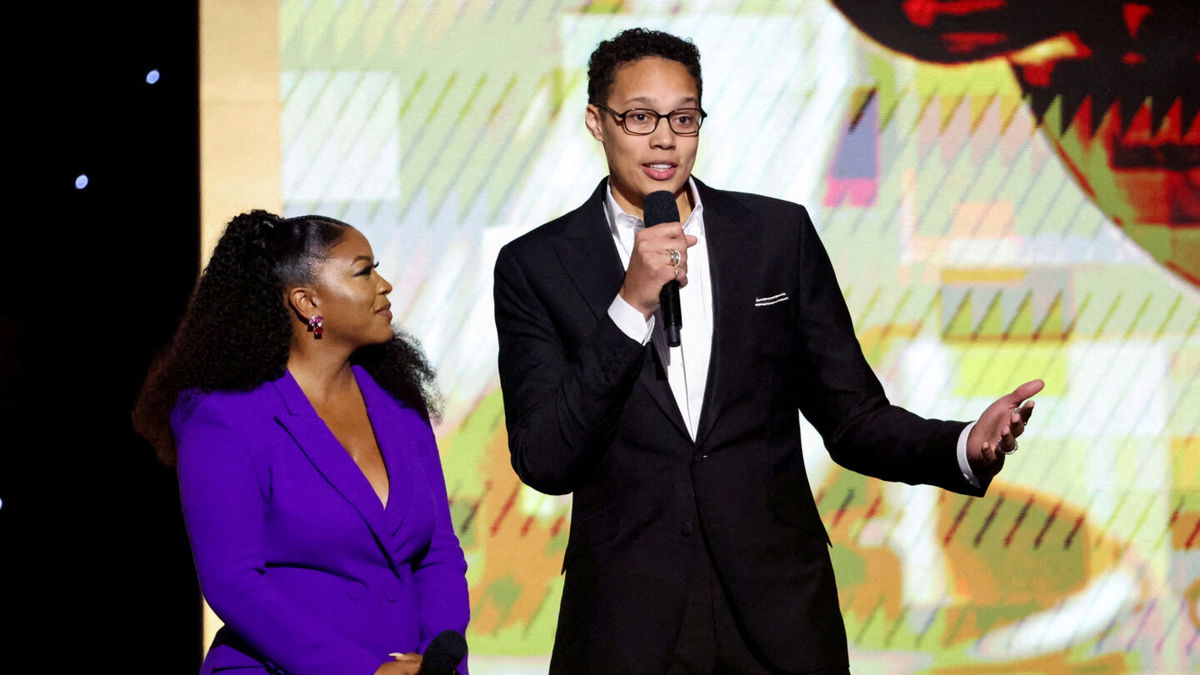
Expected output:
(732, 255)
(322, 449)
(589, 256)
(590, 259)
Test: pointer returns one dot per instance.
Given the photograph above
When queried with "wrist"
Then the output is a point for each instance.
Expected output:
(647, 311)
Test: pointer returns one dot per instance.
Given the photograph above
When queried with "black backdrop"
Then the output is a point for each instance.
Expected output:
(97, 570)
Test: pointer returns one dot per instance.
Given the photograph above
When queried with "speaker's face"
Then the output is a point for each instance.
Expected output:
(660, 160)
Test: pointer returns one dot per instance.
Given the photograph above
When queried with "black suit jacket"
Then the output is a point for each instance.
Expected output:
(589, 411)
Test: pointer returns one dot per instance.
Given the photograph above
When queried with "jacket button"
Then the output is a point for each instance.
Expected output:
(687, 529)
(700, 457)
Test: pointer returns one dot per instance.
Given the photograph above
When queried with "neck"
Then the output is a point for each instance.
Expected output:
(321, 373)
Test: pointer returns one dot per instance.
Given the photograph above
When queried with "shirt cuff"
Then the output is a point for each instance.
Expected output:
(963, 464)
(630, 321)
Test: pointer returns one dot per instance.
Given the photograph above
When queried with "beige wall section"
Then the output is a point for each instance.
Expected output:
(239, 112)
(239, 126)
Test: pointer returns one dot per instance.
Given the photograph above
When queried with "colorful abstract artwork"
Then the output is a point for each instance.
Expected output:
(1008, 190)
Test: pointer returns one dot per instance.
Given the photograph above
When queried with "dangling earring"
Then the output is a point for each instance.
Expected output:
(316, 326)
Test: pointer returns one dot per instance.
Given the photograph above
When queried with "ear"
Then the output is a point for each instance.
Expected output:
(303, 302)
(594, 123)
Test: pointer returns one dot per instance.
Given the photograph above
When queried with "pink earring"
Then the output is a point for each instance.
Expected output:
(316, 326)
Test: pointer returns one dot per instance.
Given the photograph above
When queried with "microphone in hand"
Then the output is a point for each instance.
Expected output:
(443, 655)
(657, 208)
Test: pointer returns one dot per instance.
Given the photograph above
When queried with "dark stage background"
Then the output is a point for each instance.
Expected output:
(98, 569)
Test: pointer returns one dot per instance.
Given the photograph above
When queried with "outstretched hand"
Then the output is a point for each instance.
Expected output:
(995, 434)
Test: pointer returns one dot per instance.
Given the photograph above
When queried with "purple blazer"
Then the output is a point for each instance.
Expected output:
(295, 552)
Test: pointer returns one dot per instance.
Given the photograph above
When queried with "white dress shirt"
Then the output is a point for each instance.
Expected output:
(687, 364)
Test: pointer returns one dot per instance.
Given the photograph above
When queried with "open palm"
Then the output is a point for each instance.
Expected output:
(995, 434)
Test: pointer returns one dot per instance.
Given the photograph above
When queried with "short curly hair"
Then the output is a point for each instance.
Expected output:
(236, 332)
(634, 44)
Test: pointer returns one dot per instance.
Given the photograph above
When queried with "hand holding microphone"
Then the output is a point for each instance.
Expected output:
(658, 263)
(441, 657)
(443, 654)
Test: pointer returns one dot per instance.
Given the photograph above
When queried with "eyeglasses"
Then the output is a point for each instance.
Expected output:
(643, 121)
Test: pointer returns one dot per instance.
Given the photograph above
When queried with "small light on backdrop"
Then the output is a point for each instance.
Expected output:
(81, 181)
(152, 76)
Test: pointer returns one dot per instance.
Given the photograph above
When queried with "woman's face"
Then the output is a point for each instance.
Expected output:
(350, 295)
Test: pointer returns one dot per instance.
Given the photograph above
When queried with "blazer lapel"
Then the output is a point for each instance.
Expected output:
(590, 258)
(395, 446)
(327, 455)
(732, 254)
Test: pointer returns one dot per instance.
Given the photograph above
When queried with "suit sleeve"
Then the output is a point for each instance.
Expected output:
(561, 408)
(843, 399)
(223, 492)
(440, 575)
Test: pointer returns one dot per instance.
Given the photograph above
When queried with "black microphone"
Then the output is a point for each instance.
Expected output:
(443, 655)
(657, 208)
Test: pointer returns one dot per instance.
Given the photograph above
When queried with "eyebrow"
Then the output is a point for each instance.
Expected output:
(362, 257)
(648, 101)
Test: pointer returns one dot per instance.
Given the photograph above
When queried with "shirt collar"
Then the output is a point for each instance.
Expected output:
(618, 219)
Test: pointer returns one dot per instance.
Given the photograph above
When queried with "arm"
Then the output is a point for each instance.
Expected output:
(440, 574)
(843, 399)
(223, 493)
(561, 412)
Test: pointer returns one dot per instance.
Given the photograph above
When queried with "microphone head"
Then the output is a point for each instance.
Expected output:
(659, 207)
(444, 653)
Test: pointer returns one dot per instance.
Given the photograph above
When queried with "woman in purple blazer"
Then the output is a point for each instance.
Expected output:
(309, 475)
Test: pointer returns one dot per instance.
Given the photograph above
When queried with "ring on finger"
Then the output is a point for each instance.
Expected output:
(676, 257)
(1014, 449)
(676, 272)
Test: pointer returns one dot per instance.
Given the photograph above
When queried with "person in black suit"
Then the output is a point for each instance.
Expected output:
(695, 545)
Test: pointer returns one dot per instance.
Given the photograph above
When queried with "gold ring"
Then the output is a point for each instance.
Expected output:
(676, 258)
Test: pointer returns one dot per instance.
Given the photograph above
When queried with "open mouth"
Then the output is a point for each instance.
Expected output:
(659, 170)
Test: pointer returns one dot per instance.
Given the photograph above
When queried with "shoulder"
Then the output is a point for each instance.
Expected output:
(541, 239)
(224, 407)
(761, 207)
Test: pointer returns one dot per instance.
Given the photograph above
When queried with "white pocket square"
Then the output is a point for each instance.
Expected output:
(771, 300)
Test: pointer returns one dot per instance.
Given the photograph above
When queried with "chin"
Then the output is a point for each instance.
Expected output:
(674, 186)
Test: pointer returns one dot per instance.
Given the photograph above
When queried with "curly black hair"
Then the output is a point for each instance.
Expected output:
(634, 44)
(236, 332)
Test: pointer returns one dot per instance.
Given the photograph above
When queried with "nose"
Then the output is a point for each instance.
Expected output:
(385, 287)
(663, 136)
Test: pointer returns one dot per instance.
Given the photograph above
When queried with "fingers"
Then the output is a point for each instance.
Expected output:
(1026, 411)
(663, 251)
(1018, 418)
(1008, 441)
(659, 256)
(676, 266)
(1025, 391)
(991, 454)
